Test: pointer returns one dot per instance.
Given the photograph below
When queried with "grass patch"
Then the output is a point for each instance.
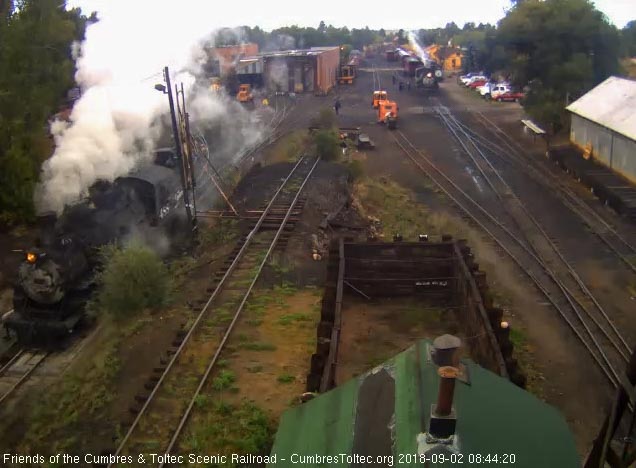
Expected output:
(290, 318)
(285, 378)
(524, 355)
(225, 230)
(288, 148)
(255, 369)
(243, 428)
(258, 346)
(398, 210)
(83, 394)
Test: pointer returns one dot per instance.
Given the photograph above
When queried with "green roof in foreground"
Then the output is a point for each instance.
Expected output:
(385, 413)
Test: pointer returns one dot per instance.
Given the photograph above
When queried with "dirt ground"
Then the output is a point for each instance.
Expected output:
(372, 332)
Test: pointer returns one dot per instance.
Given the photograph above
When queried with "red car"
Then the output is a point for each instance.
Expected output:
(510, 97)
(477, 84)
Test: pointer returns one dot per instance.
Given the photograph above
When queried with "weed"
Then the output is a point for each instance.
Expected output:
(242, 337)
(255, 369)
(224, 380)
(286, 378)
(201, 401)
(224, 231)
(517, 337)
(327, 144)
(289, 318)
(256, 346)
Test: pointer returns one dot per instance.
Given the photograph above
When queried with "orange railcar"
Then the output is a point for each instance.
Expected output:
(379, 96)
(388, 113)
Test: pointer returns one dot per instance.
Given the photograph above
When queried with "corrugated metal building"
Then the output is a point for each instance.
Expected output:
(388, 412)
(604, 125)
(297, 71)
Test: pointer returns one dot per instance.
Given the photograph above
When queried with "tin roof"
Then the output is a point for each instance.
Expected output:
(610, 104)
(384, 411)
(298, 52)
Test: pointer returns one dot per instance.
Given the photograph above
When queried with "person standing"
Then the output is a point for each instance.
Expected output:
(337, 106)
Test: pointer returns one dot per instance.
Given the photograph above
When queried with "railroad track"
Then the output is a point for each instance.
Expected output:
(377, 85)
(510, 150)
(18, 370)
(531, 252)
(166, 410)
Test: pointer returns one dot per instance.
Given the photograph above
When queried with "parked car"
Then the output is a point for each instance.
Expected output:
(472, 79)
(498, 89)
(510, 96)
(463, 79)
(477, 83)
(485, 90)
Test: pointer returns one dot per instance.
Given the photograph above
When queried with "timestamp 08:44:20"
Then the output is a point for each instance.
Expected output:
(458, 458)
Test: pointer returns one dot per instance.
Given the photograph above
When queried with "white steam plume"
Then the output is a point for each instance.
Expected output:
(419, 50)
(115, 123)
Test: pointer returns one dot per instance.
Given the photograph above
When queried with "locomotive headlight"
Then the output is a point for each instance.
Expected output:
(31, 257)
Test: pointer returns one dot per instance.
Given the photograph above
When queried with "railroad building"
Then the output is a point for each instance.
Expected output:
(449, 57)
(302, 71)
(604, 125)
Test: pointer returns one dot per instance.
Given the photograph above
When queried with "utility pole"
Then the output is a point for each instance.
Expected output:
(179, 149)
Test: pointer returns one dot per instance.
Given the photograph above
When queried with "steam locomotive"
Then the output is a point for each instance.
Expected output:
(428, 76)
(57, 276)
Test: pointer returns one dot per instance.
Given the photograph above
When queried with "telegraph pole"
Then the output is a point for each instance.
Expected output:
(179, 148)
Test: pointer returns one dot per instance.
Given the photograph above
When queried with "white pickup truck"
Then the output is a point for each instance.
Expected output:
(493, 90)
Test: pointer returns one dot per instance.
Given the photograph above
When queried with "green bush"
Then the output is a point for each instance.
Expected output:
(327, 144)
(133, 278)
(326, 118)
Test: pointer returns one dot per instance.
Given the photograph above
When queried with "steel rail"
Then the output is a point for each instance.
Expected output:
(569, 198)
(39, 356)
(583, 209)
(567, 292)
(237, 314)
(625, 349)
(11, 361)
(610, 373)
(201, 314)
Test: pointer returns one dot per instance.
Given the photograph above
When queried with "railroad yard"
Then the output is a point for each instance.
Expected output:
(439, 213)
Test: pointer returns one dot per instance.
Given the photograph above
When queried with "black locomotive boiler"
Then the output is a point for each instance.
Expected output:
(57, 276)
(428, 76)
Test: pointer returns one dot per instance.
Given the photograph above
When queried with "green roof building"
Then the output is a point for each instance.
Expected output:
(389, 417)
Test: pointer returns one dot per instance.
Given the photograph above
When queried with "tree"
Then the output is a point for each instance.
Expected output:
(561, 47)
(628, 38)
(36, 70)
